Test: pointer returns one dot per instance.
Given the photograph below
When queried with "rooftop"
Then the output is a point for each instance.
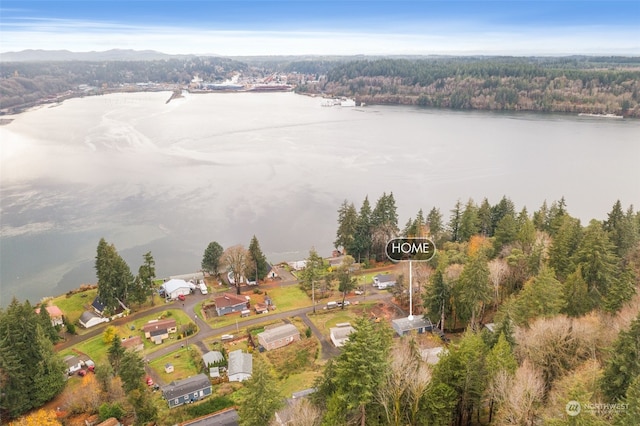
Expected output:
(229, 299)
(182, 387)
(280, 332)
(240, 362)
(404, 324)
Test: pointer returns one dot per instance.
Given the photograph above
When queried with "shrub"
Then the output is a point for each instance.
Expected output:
(107, 410)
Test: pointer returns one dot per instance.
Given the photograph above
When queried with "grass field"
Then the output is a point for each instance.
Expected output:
(184, 361)
(285, 298)
(72, 307)
(97, 349)
(298, 382)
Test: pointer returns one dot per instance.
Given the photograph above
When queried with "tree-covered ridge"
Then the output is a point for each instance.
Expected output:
(25, 82)
(573, 84)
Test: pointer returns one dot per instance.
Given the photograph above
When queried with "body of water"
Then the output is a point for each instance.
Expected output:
(170, 178)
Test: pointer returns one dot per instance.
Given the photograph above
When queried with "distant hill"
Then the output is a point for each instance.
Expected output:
(66, 55)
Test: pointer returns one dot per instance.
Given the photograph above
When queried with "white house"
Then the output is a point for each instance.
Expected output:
(89, 319)
(383, 281)
(240, 366)
(176, 287)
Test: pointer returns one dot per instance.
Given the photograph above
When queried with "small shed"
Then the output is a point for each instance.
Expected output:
(168, 368)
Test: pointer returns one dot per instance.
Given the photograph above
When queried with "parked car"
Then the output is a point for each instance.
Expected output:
(346, 303)
(181, 297)
(358, 292)
(149, 381)
(82, 373)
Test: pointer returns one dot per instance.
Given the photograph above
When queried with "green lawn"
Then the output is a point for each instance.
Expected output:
(72, 307)
(185, 364)
(298, 382)
(289, 298)
(97, 349)
(285, 298)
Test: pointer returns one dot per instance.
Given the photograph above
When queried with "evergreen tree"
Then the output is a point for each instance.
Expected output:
(143, 405)
(506, 231)
(564, 245)
(622, 229)
(463, 369)
(575, 293)
(362, 239)
(211, 258)
(526, 232)
(454, 221)
(131, 371)
(384, 224)
(437, 297)
(540, 297)
(347, 227)
(262, 397)
(357, 371)
(146, 274)
(31, 373)
(114, 276)
(504, 208)
(434, 220)
(258, 265)
(624, 363)
(601, 269)
(630, 415)
(557, 211)
(484, 218)
(475, 286)
(469, 221)
(115, 353)
(45, 322)
(541, 218)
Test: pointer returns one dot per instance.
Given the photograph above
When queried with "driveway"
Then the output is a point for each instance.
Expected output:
(328, 350)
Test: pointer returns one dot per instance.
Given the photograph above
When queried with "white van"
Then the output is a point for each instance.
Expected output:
(203, 288)
(332, 305)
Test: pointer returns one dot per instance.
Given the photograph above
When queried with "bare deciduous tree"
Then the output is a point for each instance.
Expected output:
(498, 269)
(299, 412)
(235, 259)
(406, 380)
(520, 396)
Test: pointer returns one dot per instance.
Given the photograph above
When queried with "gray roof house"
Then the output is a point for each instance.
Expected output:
(383, 281)
(186, 391)
(278, 337)
(240, 366)
(420, 323)
(89, 319)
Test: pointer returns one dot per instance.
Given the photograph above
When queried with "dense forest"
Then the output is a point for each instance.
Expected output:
(576, 84)
(562, 299)
(573, 84)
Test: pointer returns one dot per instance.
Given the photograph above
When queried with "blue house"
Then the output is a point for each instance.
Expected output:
(187, 391)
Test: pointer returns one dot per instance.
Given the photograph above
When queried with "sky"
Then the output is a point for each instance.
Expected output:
(346, 27)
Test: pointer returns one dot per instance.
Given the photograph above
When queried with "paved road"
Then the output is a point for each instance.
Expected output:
(206, 331)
